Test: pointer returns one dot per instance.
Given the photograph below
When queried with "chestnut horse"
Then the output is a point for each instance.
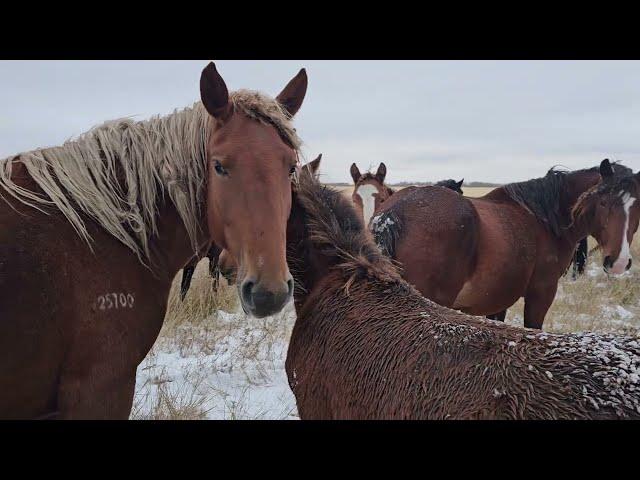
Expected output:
(367, 345)
(220, 261)
(93, 232)
(480, 255)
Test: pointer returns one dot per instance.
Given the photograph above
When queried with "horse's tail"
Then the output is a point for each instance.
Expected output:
(386, 229)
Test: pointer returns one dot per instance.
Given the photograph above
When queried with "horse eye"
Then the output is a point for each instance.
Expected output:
(219, 168)
(292, 171)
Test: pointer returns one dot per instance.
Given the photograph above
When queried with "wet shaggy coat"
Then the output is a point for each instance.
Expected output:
(367, 345)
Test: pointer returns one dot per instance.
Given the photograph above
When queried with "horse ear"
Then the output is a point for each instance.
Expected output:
(355, 173)
(308, 170)
(381, 173)
(292, 95)
(313, 166)
(459, 184)
(214, 93)
(606, 169)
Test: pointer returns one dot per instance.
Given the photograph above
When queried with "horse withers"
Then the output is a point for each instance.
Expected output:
(480, 255)
(367, 345)
(93, 232)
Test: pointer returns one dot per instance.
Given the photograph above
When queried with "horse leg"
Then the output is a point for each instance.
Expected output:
(581, 256)
(214, 269)
(536, 304)
(498, 316)
(187, 273)
(214, 256)
(99, 396)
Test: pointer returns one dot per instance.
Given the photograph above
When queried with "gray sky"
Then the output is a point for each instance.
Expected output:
(498, 121)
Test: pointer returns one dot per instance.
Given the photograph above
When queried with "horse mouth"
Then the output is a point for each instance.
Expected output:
(615, 268)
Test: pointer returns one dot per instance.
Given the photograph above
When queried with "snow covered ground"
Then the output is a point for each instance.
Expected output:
(230, 368)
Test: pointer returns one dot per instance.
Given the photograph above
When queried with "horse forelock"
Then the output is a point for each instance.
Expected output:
(623, 183)
(336, 230)
(117, 172)
(264, 109)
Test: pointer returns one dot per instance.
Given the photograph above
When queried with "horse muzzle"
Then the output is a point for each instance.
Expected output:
(615, 268)
(261, 302)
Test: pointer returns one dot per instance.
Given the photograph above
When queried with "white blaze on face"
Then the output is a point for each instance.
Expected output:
(366, 193)
(625, 255)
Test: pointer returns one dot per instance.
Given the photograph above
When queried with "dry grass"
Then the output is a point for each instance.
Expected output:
(594, 302)
(201, 301)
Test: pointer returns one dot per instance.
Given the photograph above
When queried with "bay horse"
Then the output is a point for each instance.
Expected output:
(370, 191)
(480, 255)
(367, 345)
(365, 184)
(93, 232)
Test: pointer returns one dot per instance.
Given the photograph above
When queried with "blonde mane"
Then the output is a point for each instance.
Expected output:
(116, 172)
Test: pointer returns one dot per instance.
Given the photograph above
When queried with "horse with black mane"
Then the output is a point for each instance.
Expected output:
(451, 184)
(480, 255)
(367, 345)
(93, 232)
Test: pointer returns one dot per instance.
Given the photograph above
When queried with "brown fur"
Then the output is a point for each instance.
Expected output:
(367, 345)
(480, 255)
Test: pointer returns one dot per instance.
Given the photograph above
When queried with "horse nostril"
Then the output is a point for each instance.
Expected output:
(247, 291)
(629, 264)
(607, 262)
(290, 286)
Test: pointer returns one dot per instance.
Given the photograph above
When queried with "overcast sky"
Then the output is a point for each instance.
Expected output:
(497, 121)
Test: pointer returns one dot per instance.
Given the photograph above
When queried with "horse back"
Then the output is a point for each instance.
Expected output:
(436, 239)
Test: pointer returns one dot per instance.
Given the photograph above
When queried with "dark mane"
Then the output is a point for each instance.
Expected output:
(336, 230)
(450, 183)
(623, 180)
(545, 197)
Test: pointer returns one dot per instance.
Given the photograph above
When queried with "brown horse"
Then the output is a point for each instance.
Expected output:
(222, 262)
(367, 345)
(480, 255)
(93, 232)
(370, 191)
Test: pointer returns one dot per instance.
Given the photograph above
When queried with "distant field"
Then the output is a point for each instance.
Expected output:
(468, 191)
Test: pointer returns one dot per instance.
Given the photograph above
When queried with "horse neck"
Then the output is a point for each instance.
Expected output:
(308, 266)
(309, 269)
(386, 192)
(171, 248)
